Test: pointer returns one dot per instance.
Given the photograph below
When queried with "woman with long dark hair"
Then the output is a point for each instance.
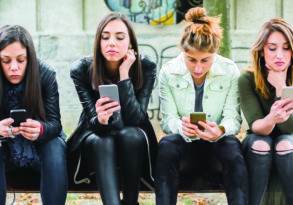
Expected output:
(114, 134)
(29, 87)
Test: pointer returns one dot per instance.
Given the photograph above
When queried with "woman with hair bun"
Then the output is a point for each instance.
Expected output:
(200, 80)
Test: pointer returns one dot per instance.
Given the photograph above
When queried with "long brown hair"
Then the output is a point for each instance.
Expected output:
(98, 67)
(202, 32)
(32, 100)
(258, 62)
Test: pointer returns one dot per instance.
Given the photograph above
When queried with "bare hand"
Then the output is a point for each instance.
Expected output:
(277, 79)
(30, 129)
(211, 131)
(6, 130)
(281, 111)
(128, 60)
(105, 108)
(188, 128)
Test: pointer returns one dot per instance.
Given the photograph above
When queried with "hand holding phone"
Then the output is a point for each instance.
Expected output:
(108, 103)
(19, 116)
(195, 117)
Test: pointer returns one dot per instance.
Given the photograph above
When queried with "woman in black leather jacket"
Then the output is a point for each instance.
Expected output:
(112, 134)
(37, 143)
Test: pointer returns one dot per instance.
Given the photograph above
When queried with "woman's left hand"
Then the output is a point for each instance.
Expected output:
(30, 129)
(211, 131)
(125, 66)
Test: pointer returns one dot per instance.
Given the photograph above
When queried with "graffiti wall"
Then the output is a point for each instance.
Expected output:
(153, 12)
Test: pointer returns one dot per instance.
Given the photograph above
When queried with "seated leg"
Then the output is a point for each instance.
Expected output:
(53, 171)
(258, 156)
(284, 164)
(102, 155)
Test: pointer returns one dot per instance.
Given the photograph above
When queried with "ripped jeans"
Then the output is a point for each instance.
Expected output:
(263, 152)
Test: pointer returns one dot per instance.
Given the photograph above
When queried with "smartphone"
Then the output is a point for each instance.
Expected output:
(287, 92)
(195, 117)
(18, 115)
(110, 91)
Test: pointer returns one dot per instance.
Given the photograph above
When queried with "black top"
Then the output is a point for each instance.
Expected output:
(133, 102)
(49, 89)
(255, 107)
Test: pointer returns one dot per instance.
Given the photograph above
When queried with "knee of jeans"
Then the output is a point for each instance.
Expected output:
(260, 147)
(132, 136)
(284, 147)
(167, 149)
(53, 154)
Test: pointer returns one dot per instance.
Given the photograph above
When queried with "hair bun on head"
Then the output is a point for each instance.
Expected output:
(196, 15)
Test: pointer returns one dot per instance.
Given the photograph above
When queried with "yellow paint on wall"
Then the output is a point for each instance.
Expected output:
(168, 19)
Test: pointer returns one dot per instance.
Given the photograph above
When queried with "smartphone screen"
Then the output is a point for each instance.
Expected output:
(110, 91)
(287, 92)
(19, 116)
(195, 117)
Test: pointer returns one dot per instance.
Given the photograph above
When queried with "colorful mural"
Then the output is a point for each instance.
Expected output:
(153, 12)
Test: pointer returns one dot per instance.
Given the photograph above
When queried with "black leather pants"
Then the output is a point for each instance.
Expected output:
(126, 149)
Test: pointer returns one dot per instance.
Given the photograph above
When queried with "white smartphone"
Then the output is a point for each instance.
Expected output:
(287, 92)
(110, 91)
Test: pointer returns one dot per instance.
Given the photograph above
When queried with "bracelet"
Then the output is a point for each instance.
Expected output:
(222, 128)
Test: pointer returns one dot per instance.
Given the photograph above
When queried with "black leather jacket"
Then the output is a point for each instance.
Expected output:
(52, 124)
(133, 103)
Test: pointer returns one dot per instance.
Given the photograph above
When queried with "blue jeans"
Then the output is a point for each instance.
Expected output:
(53, 171)
(175, 153)
(261, 154)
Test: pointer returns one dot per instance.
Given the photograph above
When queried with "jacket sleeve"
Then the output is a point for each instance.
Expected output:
(171, 121)
(231, 111)
(80, 75)
(52, 124)
(134, 105)
(250, 105)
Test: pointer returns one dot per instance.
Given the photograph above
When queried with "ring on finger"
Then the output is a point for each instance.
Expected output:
(10, 133)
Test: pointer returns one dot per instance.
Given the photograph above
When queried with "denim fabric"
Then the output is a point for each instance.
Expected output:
(53, 171)
(173, 151)
(260, 164)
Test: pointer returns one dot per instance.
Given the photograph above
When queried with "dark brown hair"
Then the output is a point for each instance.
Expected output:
(32, 100)
(202, 32)
(98, 67)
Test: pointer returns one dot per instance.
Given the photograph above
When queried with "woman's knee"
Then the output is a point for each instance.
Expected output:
(132, 136)
(95, 142)
(260, 145)
(53, 150)
(168, 146)
(284, 145)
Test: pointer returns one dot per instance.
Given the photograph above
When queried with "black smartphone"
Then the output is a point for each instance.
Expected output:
(195, 117)
(110, 91)
(19, 116)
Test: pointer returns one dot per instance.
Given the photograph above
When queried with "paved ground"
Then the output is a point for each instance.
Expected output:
(144, 199)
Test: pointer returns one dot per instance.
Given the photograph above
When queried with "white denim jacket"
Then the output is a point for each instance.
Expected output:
(220, 97)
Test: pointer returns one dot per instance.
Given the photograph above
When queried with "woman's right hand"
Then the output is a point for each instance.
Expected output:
(105, 108)
(281, 110)
(6, 130)
(188, 128)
